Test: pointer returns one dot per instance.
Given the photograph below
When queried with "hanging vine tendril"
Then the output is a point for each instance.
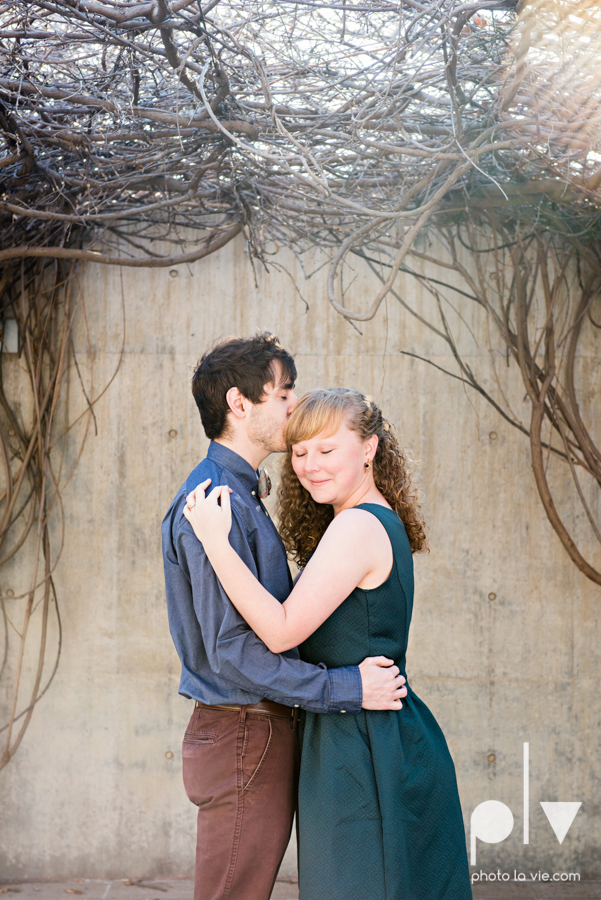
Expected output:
(34, 386)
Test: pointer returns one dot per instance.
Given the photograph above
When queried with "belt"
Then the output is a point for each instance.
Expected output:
(263, 707)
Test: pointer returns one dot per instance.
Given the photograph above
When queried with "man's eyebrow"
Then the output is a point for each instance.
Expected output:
(288, 386)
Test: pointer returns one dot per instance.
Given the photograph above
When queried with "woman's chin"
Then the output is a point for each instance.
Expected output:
(321, 494)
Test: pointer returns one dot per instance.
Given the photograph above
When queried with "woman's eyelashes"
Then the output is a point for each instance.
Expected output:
(323, 453)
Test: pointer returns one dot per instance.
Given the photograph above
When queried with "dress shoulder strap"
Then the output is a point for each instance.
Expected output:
(387, 516)
(396, 532)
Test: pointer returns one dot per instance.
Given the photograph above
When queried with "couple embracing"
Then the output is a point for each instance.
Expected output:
(301, 696)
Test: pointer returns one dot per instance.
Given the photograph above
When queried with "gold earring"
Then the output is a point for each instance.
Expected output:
(368, 464)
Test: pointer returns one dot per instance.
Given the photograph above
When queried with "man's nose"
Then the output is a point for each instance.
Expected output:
(292, 401)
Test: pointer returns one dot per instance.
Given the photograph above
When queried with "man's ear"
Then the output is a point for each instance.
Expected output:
(237, 403)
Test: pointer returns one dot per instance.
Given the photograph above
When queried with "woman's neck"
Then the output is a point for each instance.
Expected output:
(365, 493)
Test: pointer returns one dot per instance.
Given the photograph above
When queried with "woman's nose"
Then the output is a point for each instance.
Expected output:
(311, 464)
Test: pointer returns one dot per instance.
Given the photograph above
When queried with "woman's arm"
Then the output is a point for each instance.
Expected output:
(350, 549)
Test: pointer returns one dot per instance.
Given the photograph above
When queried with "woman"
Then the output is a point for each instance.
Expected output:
(379, 814)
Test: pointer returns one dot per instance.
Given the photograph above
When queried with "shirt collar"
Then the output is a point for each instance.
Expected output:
(234, 463)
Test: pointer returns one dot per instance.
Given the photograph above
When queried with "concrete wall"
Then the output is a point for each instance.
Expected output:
(93, 791)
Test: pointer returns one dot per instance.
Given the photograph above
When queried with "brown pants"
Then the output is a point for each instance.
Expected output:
(241, 770)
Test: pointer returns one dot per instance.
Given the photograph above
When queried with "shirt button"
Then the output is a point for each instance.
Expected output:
(266, 513)
(296, 705)
(343, 710)
(253, 493)
(258, 507)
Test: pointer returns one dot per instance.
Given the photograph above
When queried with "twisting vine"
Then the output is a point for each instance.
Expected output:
(37, 365)
(541, 292)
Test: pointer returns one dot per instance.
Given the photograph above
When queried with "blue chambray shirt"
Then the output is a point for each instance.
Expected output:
(223, 660)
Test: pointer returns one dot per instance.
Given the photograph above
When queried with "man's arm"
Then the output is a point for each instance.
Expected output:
(232, 649)
(380, 681)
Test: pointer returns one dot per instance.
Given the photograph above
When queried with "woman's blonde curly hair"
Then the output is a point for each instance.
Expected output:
(302, 520)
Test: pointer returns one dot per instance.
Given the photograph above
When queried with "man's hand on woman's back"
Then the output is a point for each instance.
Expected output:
(383, 685)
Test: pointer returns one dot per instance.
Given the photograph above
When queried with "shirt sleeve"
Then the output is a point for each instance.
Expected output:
(237, 655)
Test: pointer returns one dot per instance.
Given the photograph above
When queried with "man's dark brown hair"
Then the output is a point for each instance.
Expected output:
(244, 363)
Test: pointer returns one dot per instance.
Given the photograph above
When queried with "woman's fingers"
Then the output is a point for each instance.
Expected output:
(191, 498)
(226, 504)
(219, 493)
(198, 493)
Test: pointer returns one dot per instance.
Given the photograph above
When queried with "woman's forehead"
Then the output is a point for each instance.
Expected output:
(334, 431)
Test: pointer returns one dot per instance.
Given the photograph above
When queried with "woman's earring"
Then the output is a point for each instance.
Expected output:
(368, 464)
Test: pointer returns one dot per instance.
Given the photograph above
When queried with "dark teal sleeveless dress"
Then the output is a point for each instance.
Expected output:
(379, 814)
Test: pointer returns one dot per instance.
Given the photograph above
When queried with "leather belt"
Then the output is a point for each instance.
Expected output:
(263, 707)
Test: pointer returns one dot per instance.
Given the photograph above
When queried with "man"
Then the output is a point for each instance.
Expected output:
(240, 752)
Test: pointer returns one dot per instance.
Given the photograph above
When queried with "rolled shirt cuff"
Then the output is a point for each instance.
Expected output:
(346, 690)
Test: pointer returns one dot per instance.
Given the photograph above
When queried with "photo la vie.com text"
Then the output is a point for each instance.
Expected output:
(478, 877)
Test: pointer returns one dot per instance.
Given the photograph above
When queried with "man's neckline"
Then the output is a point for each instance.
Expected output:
(234, 463)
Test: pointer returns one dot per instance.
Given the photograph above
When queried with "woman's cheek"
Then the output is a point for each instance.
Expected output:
(302, 477)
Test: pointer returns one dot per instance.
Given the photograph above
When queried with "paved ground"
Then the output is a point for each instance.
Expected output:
(161, 889)
(285, 889)
(584, 890)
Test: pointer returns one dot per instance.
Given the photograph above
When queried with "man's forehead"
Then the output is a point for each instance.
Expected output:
(281, 379)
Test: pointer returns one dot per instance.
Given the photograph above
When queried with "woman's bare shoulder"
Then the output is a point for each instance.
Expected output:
(355, 523)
